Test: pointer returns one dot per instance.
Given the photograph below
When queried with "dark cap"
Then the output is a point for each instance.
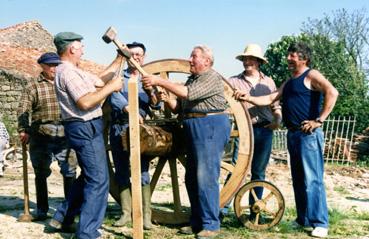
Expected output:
(136, 44)
(63, 39)
(49, 58)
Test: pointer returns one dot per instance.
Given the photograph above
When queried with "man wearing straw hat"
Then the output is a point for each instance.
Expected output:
(303, 116)
(264, 118)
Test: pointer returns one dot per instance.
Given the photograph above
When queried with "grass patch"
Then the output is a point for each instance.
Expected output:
(164, 187)
(341, 190)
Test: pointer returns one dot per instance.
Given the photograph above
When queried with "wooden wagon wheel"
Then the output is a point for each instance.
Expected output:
(240, 114)
(267, 211)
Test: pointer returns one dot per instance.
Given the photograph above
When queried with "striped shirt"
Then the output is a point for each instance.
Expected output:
(265, 86)
(38, 102)
(71, 83)
(205, 93)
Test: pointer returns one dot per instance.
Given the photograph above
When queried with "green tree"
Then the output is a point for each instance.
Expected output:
(351, 29)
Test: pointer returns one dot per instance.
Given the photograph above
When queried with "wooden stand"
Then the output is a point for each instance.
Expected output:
(135, 158)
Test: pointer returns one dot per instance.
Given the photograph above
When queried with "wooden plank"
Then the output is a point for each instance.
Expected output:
(175, 185)
(135, 155)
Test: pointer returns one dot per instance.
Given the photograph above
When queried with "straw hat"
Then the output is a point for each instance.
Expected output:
(252, 50)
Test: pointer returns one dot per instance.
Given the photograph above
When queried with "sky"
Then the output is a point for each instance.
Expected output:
(171, 28)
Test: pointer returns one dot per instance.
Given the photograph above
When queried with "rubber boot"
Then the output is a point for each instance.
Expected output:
(41, 198)
(146, 207)
(126, 205)
(68, 182)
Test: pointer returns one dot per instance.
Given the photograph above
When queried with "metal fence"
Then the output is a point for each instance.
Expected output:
(338, 135)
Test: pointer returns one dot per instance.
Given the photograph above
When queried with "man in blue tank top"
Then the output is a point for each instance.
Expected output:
(303, 116)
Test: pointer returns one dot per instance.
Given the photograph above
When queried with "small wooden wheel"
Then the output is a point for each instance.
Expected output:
(265, 212)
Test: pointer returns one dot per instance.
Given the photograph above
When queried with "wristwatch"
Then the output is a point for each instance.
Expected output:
(318, 120)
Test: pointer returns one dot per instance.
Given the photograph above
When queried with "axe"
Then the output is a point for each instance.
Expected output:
(111, 36)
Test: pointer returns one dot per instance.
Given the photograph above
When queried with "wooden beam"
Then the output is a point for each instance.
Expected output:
(134, 137)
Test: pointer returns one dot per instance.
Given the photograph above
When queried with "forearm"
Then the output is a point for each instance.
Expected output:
(112, 69)
(179, 90)
(260, 100)
(93, 99)
(330, 99)
(173, 105)
(277, 114)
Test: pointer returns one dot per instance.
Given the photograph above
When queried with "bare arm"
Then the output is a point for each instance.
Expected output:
(92, 99)
(320, 83)
(259, 100)
(112, 69)
(277, 119)
(172, 104)
(179, 90)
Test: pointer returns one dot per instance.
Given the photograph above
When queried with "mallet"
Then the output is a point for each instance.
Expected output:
(111, 36)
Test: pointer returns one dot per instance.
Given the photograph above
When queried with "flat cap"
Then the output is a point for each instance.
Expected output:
(49, 58)
(62, 39)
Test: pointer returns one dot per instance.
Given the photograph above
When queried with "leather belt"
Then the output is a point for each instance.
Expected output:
(201, 115)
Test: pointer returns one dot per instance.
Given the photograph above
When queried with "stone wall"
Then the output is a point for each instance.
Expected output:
(11, 86)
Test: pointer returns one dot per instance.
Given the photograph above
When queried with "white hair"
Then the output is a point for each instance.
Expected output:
(206, 51)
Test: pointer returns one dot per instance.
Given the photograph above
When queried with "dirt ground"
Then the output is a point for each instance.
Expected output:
(347, 189)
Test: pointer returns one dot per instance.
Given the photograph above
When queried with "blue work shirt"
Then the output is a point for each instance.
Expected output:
(119, 100)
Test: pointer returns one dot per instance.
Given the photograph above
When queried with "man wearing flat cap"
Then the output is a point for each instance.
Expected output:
(44, 133)
(119, 104)
(80, 95)
(264, 118)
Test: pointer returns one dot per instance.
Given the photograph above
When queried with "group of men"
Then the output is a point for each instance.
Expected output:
(64, 105)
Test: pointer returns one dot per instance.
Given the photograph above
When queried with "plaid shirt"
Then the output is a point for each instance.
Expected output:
(265, 86)
(205, 93)
(38, 102)
(71, 83)
(3, 132)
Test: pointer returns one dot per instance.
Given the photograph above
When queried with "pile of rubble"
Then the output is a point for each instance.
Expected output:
(361, 145)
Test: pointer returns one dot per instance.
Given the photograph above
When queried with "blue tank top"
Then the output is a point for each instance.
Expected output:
(299, 103)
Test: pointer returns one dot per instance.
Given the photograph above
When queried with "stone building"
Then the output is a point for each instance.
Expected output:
(20, 47)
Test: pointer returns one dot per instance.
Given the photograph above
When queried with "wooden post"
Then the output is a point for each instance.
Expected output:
(134, 137)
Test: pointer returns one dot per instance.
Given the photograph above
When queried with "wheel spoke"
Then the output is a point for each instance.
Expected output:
(243, 208)
(257, 219)
(267, 211)
(267, 197)
(254, 194)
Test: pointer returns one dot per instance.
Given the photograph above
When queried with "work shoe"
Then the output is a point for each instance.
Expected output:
(70, 228)
(297, 226)
(204, 234)
(320, 232)
(54, 224)
(186, 230)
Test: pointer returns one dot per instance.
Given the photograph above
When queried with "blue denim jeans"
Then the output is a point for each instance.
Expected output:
(307, 169)
(89, 193)
(205, 138)
(122, 161)
(263, 138)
